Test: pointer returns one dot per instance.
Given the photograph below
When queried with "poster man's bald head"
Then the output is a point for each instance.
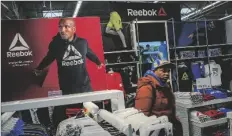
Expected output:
(67, 28)
(69, 20)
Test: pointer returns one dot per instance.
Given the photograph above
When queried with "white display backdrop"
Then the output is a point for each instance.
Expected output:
(229, 31)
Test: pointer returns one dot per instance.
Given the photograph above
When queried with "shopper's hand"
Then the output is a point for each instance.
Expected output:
(190, 36)
(37, 72)
(100, 66)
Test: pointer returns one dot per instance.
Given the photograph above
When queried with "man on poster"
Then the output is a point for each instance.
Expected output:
(70, 52)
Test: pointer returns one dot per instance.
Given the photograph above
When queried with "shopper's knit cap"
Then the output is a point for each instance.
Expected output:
(162, 64)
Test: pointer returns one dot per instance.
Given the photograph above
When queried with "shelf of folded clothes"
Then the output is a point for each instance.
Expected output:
(209, 122)
(211, 102)
(190, 104)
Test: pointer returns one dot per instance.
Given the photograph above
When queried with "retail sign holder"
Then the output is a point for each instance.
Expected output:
(116, 97)
(203, 83)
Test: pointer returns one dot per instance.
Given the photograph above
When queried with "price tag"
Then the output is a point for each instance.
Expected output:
(203, 83)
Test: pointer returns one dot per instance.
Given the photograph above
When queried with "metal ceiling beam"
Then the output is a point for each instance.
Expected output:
(5, 6)
(226, 17)
(78, 6)
(203, 10)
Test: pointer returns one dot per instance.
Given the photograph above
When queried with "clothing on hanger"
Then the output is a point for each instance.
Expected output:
(213, 70)
(80, 126)
(114, 80)
(185, 78)
(198, 69)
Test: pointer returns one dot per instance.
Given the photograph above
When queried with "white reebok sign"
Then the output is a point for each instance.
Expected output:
(142, 12)
(18, 51)
(146, 12)
(72, 59)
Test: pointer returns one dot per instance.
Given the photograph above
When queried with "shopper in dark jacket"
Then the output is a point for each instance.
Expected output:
(70, 52)
(163, 99)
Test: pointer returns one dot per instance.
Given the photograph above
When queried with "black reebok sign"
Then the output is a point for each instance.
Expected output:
(147, 11)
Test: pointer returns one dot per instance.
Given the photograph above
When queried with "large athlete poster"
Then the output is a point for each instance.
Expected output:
(25, 43)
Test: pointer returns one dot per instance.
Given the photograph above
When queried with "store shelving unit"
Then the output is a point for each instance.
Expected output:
(201, 46)
(175, 49)
(110, 64)
(183, 110)
(116, 97)
(123, 51)
(226, 55)
(229, 118)
(197, 128)
(133, 51)
(208, 123)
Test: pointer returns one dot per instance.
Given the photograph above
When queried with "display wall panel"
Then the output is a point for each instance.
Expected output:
(18, 80)
(147, 11)
(149, 32)
(216, 32)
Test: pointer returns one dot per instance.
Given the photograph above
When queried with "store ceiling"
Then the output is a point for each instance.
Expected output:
(40, 9)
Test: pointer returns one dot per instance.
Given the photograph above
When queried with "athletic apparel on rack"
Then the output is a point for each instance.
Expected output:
(189, 97)
(12, 127)
(199, 117)
(198, 69)
(224, 110)
(114, 81)
(187, 54)
(84, 126)
(214, 71)
(125, 78)
(208, 97)
(109, 128)
(185, 78)
(34, 130)
(214, 52)
(226, 66)
(214, 114)
(201, 53)
(218, 94)
(71, 62)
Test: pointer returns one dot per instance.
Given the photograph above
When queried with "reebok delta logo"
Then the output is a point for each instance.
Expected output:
(18, 51)
(72, 57)
(145, 12)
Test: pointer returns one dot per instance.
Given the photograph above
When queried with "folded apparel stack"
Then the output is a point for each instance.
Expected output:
(208, 97)
(197, 116)
(224, 110)
(12, 127)
(85, 126)
(34, 130)
(140, 122)
(189, 97)
(214, 114)
(218, 94)
(109, 128)
(214, 92)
